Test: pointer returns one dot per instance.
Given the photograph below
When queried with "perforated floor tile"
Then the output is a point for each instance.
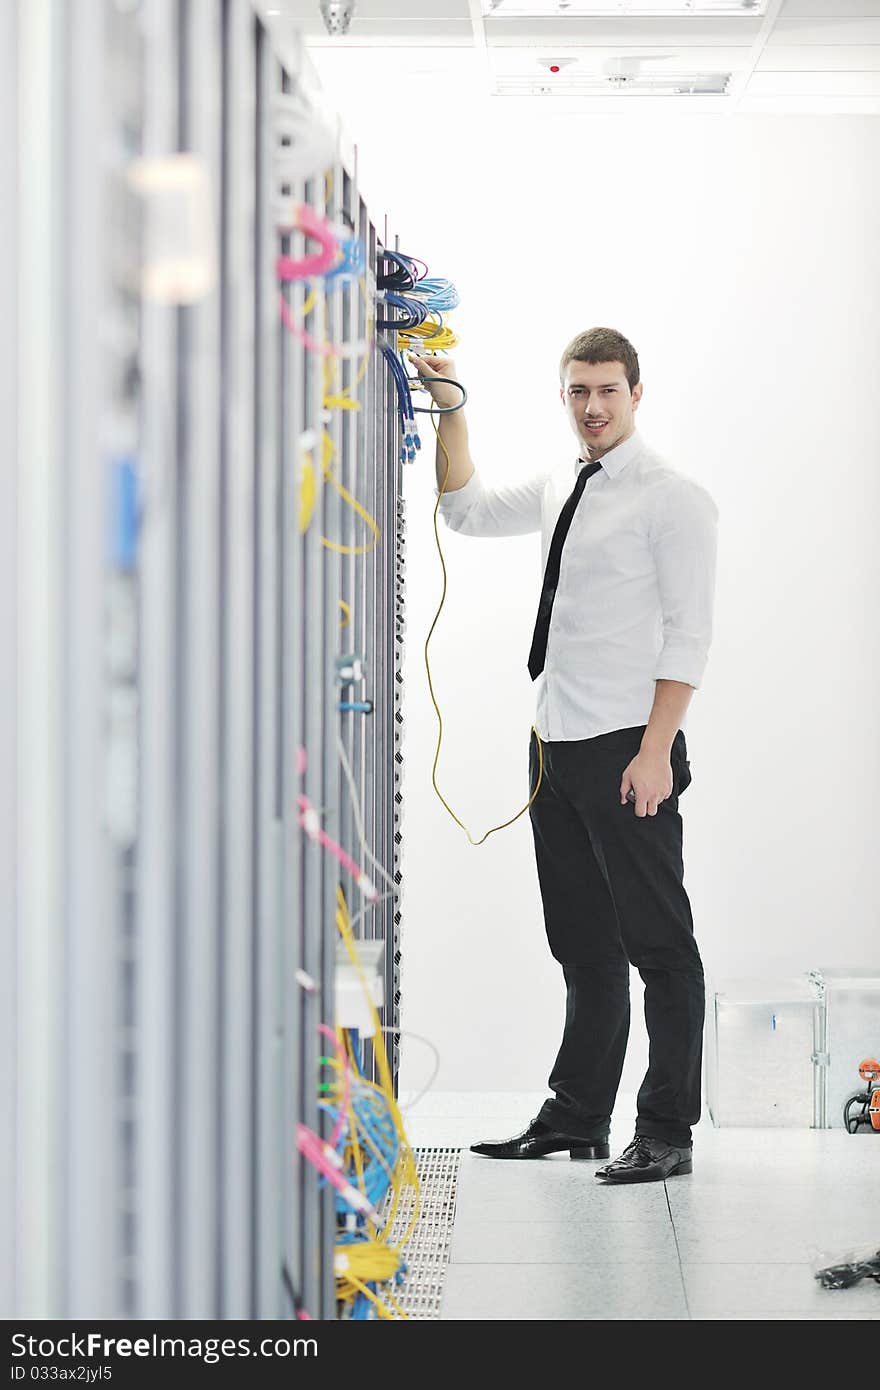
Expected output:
(427, 1251)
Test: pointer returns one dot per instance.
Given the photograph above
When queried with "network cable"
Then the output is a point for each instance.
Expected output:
(433, 410)
(434, 335)
(361, 1167)
(307, 220)
(339, 399)
(351, 263)
(414, 309)
(405, 274)
(371, 1152)
(439, 295)
(406, 418)
(308, 493)
(372, 1157)
(386, 1084)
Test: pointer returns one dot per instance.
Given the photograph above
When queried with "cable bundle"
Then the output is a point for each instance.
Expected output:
(405, 415)
(405, 276)
(376, 1154)
(367, 1129)
(440, 295)
(420, 303)
(423, 324)
(431, 336)
(420, 298)
(370, 1154)
(416, 312)
(361, 1263)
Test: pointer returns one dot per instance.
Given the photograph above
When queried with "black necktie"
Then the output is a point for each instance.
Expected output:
(551, 573)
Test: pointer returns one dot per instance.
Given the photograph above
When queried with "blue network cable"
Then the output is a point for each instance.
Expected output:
(375, 1120)
(439, 295)
(380, 1156)
(415, 309)
(405, 413)
(403, 277)
(353, 260)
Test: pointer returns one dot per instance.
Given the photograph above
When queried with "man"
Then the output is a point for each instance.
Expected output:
(620, 645)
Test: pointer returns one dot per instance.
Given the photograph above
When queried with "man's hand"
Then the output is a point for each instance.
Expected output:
(435, 368)
(650, 776)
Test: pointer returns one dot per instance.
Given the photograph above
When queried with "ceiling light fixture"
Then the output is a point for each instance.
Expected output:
(611, 85)
(606, 9)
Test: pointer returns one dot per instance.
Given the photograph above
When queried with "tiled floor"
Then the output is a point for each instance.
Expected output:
(737, 1239)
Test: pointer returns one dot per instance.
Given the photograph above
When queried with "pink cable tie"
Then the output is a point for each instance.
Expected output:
(309, 821)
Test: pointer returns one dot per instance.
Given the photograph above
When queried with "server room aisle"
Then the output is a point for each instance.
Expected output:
(738, 1239)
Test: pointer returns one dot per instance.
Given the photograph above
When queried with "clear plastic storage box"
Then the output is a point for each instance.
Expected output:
(761, 1040)
(850, 1033)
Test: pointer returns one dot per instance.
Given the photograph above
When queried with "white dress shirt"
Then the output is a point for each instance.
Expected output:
(636, 582)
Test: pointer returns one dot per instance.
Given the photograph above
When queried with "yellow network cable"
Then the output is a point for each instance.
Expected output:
(394, 1303)
(308, 496)
(365, 1267)
(432, 336)
(330, 477)
(370, 1260)
(368, 1293)
(406, 1161)
(431, 684)
(308, 491)
(405, 1174)
(373, 1259)
(341, 400)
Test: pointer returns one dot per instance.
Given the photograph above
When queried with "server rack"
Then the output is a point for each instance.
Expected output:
(177, 636)
(9, 238)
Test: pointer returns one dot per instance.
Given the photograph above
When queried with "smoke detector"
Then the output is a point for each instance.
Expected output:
(554, 64)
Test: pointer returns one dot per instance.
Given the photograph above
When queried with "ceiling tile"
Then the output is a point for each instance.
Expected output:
(816, 58)
(833, 9)
(827, 30)
(853, 84)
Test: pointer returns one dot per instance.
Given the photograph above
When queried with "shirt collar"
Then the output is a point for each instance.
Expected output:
(617, 458)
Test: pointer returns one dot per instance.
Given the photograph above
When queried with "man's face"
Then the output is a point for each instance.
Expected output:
(598, 394)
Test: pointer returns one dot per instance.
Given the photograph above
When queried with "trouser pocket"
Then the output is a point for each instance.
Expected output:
(681, 768)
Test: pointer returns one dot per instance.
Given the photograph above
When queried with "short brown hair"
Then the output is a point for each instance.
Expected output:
(602, 345)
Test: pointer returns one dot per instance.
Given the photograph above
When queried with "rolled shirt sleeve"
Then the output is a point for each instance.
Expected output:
(476, 510)
(684, 537)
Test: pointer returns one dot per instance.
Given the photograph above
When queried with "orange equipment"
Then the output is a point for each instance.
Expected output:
(869, 1099)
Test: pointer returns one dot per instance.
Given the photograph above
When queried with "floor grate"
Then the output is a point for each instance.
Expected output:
(427, 1250)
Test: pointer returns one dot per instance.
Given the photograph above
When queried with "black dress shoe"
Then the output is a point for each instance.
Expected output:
(648, 1160)
(538, 1140)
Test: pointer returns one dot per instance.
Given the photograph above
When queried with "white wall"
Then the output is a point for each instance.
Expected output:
(740, 256)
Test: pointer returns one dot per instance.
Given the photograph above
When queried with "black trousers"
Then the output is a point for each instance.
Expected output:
(613, 894)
